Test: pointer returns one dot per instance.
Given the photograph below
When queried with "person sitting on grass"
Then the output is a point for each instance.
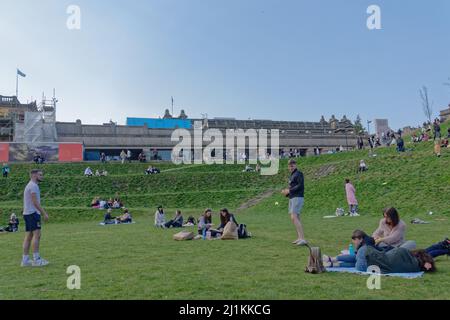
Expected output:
(439, 249)
(13, 224)
(95, 203)
(362, 166)
(149, 170)
(5, 170)
(225, 217)
(125, 217)
(88, 172)
(190, 222)
(97, 173)
(205, 223)
(360, 241)
(160, 217)
(176, 222)
(109, 219)
(152, 170)
(116, 204)
(391, 232)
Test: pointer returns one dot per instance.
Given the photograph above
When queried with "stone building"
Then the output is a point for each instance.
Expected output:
(445, 114)
(150, 135)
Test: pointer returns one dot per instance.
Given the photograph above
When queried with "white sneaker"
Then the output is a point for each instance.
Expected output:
(27, 263)
(302, 243)
(40, 262)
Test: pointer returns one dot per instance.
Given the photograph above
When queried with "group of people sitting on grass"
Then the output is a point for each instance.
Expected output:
(13, 224)
(98, 173)
(152, 170)
(249, 168)
(38, 158)
(125, 217)
(115, 203)
(160, 219)
(205, 226)
(388, 249)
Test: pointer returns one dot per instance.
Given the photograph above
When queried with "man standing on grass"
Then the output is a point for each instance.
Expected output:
(296, 200)
(32, 212)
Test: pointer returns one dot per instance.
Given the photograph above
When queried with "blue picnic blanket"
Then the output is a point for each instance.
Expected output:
(115, 224)
(410, 275)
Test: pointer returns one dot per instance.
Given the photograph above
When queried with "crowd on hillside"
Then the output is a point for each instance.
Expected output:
(111, 203)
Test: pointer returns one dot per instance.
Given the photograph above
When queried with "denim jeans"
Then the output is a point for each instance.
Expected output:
(357, 261)
(437, 250)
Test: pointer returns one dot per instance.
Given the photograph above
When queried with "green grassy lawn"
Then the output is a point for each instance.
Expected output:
(140, 262)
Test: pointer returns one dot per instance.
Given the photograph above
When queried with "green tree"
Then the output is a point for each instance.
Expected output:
(359, 128)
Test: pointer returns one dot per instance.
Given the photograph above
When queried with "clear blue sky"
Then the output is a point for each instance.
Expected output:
(261, 59)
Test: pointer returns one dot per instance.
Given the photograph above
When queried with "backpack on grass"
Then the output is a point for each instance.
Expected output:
(315, 263)
(242, 232)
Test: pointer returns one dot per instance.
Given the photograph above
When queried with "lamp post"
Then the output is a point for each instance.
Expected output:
(368, 126)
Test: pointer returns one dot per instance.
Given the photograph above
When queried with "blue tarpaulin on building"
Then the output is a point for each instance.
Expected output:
(160, 123)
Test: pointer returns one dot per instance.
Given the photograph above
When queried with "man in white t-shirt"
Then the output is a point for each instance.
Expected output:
(32, 212)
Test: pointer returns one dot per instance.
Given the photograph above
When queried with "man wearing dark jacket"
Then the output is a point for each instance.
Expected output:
(295, 193)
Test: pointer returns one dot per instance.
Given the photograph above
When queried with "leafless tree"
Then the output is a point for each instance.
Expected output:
(427, 106)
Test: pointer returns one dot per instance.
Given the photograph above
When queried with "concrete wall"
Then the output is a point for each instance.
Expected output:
(113, 136)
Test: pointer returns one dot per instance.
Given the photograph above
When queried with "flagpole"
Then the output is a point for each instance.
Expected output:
(17, 84)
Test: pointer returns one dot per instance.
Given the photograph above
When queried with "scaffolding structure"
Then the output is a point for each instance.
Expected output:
(38, 126)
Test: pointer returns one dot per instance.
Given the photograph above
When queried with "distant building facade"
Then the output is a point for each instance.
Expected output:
(381, 126)
(150, 135)
(445, 114)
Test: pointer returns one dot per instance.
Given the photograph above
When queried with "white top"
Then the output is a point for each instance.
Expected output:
(160, 218)
(28, 206)
(88, 171)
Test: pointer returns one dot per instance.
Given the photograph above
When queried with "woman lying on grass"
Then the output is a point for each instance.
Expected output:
(397, 260)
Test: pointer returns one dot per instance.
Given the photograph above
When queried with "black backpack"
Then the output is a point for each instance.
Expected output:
(242, 232)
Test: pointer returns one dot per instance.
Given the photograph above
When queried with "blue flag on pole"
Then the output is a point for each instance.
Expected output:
(20, 73)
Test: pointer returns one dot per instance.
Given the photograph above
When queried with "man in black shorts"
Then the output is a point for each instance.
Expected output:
(32, 212)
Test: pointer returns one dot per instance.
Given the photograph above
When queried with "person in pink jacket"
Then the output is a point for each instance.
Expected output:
(351, 197)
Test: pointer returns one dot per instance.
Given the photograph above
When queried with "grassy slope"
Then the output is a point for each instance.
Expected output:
(138, 261)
